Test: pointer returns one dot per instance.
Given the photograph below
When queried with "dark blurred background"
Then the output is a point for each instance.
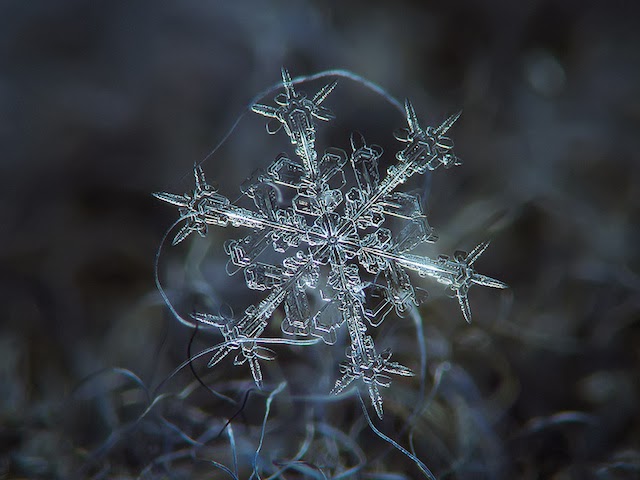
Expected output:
(104, 102)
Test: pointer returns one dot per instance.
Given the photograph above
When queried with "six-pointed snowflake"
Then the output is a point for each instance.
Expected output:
(341, 242)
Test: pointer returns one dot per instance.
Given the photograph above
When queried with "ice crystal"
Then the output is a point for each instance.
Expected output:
(330, 237)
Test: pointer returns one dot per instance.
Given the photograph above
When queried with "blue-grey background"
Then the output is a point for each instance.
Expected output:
(104, 102)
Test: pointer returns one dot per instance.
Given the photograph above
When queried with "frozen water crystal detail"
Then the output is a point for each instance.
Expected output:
(330, 235)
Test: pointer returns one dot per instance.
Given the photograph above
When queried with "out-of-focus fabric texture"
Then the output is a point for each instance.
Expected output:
(104, 102)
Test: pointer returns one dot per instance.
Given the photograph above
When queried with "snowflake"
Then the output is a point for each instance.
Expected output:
(330, 238)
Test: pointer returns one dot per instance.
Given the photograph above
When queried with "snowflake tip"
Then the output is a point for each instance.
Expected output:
(219, 355)
(357, 141)
(172, 198)
(264, 110)
(488, 282)
(398, 369)
(447, 124)
(376, 399)
(319, 97)
(412, 118)
(209, 319)
(476, 252)
(198, 173)
(181, 235)
(286, 81)
(342, 383)
(256, 372)
(463, 300)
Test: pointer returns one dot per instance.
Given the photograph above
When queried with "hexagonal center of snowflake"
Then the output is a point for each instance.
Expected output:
(331, 235)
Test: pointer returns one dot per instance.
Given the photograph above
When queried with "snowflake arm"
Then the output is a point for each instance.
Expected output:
(364, 362)
(370, 367)
(205, 206)
(426, 148)
(296, 113)
(238, 334)
(190, 206)
(457, 273)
